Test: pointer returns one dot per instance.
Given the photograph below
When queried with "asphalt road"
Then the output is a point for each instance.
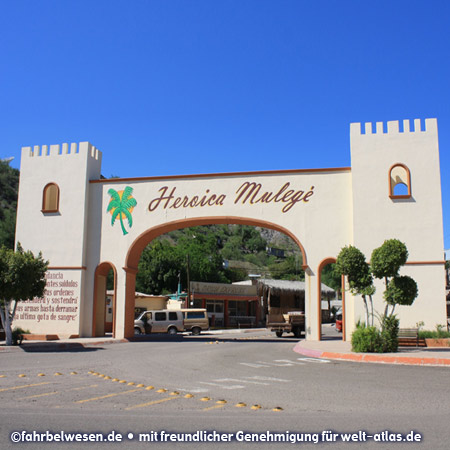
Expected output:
(251, 382)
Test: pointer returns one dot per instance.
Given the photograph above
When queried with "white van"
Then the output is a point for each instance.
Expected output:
(160, 321)
(195, 320)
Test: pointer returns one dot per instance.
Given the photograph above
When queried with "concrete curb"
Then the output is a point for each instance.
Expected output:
(55, 345)
(372, 357)
(85, 343)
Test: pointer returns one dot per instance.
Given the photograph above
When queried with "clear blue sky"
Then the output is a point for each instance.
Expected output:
(168, 87)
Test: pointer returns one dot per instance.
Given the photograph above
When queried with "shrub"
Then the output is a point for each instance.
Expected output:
(389, 333)
(367, 340)
(17, 335)
(440, 333)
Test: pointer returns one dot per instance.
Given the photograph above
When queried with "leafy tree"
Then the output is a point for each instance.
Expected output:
(206, 263)
(159, 267)
(22, 277)
(331, 277)
(162, 261)
(387, 259)
(351, 262)
(386, 262)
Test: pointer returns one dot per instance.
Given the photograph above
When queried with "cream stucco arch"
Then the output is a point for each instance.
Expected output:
(137, 247)
(322, 264)
(101, 273)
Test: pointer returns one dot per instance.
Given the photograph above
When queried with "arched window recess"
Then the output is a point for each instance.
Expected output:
(50, 198)
(399, 182)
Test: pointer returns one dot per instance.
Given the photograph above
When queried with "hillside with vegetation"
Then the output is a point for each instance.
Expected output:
(9, 186)
(216, 253)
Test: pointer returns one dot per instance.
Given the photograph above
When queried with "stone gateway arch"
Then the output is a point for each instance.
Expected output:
(86, 225)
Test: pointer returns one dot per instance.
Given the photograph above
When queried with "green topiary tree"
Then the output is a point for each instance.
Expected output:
(386, 262)
(351, 262)
(22, 277)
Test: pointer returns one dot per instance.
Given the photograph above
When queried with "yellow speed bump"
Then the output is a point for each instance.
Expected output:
(115, 379)
(221, 402)
(205, 399)
(175, 393)
(140, 385)
(2, 376)
(240, 405)
(107, 377)
(122, 381)
(256, 407)
(131, 383)
(188, 396)
(149, 388)
(95, 373)
(73, 373)
(278, 408)
(41, 374)
(57, 374)
(161, 391)
(22, 375)
(90, 372)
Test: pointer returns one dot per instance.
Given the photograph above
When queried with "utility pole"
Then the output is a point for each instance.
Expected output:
(188, 282)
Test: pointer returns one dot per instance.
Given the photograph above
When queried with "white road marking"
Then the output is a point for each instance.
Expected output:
(235, 386)
(288, 362)
(225, 380)
(194, 390)
(316, 360)
(256, 366)
(280, 380)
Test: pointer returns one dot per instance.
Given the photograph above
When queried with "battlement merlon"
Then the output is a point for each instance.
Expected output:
(393, 128)
(76, 159)
(81, 148)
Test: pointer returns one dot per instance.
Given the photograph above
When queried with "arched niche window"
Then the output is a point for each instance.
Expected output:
(50, 198)
(399, 182)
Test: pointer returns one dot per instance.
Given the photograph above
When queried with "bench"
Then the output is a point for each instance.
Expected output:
(408, 335)
(244, 321)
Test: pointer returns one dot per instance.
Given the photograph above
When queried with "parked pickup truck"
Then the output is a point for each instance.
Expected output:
(289, 322)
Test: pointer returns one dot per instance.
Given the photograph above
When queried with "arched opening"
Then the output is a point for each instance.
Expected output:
(104, 307)
(330, 302)
(136, 249)
(399, 182)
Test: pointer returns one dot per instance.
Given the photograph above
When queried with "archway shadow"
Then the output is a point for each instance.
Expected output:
(211, 339)
(72, 347)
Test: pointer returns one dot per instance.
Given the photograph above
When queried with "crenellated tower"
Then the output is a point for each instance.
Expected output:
(397, 194)
(53, 200)
(52, 217)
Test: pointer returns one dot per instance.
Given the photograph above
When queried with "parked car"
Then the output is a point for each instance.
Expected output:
(195, 320)
(162, 321)
(339, 321)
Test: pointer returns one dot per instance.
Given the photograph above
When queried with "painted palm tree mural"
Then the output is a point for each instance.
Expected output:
(121, 206)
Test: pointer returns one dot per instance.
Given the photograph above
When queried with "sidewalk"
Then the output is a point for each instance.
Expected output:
(68, 344)
(341, 350)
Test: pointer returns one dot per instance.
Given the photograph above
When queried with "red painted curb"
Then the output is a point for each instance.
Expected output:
(373, 358)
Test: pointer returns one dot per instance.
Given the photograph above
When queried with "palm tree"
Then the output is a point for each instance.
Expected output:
(120, 205)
